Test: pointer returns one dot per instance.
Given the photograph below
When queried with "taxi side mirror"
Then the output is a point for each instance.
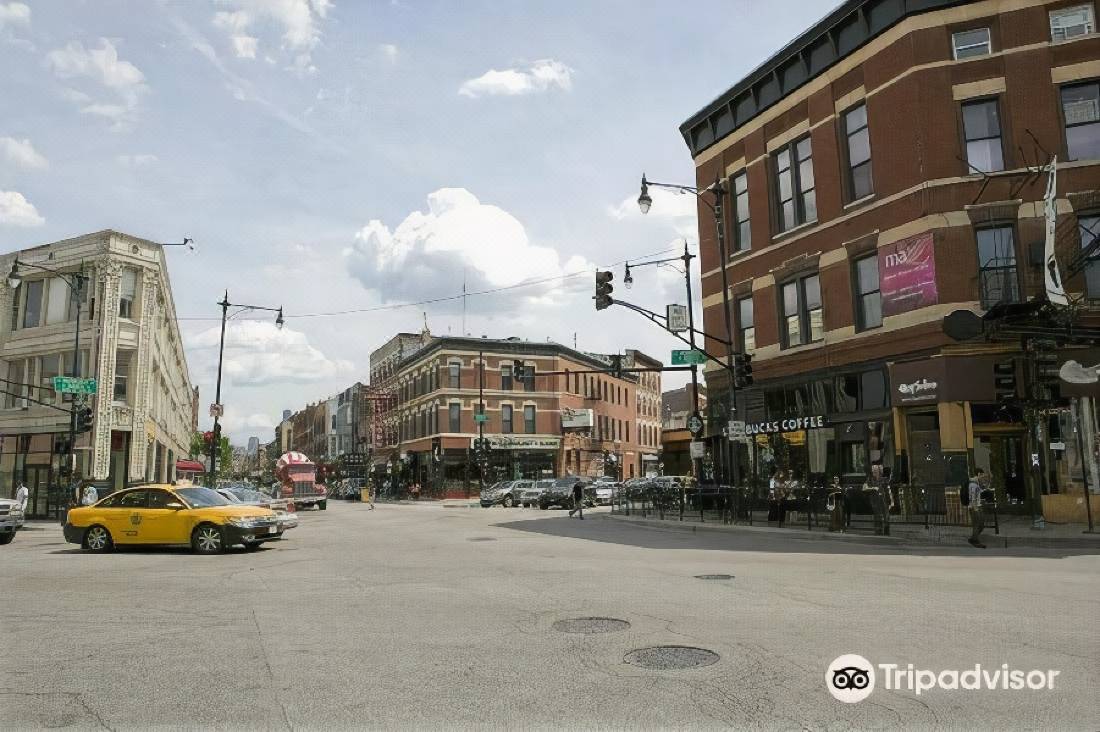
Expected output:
(175, 506)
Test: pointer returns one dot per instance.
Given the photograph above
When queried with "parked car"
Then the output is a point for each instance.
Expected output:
(11, 519)
(171, 515)
(560, 493)
(249, 497)
(530, 496)
(507, 493)
(605, 491)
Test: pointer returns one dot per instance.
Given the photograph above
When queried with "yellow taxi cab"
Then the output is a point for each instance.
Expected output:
(181, 514)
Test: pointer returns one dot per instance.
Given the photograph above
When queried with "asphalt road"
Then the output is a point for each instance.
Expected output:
(424, 616)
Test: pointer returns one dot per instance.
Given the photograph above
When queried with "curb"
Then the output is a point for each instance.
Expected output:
(796, 534)
(902, 540)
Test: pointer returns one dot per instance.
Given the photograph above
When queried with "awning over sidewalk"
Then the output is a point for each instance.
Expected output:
(190, 466)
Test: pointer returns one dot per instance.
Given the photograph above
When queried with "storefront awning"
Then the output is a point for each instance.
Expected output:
(191, 466)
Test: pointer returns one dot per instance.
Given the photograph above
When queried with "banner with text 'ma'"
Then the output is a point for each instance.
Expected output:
(907, 274)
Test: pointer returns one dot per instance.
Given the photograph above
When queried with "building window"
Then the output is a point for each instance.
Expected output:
(48, 367)
(997, 278)
(454, 375)
(794, 178)
(57, 301)
(1072, 22)
(1089, 226)
(455, 417)
(18, 375)
(127, 292)
(982, 131)
(32, 304)
(506, 378)
(746, 326)
(869, 298)
(858, 144)
(529, 419)
(967, 44)
(742, 231)
(122, 374)
(802, 316)
(1081, 111)
(506, 419)
(528, 378)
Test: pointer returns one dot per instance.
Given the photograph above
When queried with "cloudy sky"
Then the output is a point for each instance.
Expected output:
(333, 156)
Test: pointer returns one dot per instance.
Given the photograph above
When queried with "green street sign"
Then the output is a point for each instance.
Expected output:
(481, 417)
(71, 385)
(686, 357)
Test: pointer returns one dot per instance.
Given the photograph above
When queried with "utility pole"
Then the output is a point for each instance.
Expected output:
(482, 453)
(697, 463)
(216, 439)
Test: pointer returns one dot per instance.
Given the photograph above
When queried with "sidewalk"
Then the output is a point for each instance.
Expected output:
(1012, 533)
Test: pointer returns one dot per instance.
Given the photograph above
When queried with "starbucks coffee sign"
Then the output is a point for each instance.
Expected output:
(790, 424)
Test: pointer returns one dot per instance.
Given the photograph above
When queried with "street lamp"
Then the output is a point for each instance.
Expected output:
(215, 443)
(644, 200)
(75, 282)
(718, 191)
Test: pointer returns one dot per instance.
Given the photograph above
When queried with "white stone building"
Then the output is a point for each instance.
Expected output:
(129, 342)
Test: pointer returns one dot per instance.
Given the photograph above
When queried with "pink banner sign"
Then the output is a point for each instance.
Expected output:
(907, 275)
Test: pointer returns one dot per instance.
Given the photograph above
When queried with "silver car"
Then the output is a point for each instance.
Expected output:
(530, 497)
(11, 519)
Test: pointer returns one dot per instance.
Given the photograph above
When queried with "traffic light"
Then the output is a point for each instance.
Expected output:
(604, 290)
(517, 371)
(84, 419)
(617, 366)
(742, 370)
(1004, 380)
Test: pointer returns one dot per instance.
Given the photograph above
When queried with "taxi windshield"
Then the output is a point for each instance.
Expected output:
(200, 497)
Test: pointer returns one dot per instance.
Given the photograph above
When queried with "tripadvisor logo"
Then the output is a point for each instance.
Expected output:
(851, 678)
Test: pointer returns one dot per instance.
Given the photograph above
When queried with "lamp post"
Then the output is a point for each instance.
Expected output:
(215, 443)
(686, 258)
(718, 191)
(75, 282)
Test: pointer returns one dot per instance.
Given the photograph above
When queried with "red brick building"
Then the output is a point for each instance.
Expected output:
(537, 426)
(876, 180)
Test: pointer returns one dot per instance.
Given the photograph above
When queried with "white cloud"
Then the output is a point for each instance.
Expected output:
(245, 46)
(299, 21)
(15, 210)
(676, 210)
(13, 14)
(427, 254)
(389, 52)
(541, 76)
(136, 161)
(258, 354)
(101, 66)
(22, 153)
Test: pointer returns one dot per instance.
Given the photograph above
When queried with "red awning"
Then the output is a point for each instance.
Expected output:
(193, 466)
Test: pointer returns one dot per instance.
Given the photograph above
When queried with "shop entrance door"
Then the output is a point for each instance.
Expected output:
(1002, 455)
(38, 485)
(926, 463)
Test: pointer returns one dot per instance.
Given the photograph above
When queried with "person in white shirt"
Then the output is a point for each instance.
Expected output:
(21, 495)
(91, 495)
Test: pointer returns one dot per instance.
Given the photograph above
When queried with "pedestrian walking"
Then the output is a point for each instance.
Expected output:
(91, 495)
(578, 501)
(21, 496)
(415, 490)
(974, 504)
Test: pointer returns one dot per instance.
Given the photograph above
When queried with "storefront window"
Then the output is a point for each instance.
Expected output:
(873, 385)
(847, 393)
(854, 458)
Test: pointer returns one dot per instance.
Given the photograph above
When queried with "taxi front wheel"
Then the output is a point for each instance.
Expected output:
(98, 539)
(208, 539)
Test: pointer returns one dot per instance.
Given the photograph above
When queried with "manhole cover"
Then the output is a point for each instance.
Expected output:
(714, 576)
(670, 658)
(481, 538)
(590, 626)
